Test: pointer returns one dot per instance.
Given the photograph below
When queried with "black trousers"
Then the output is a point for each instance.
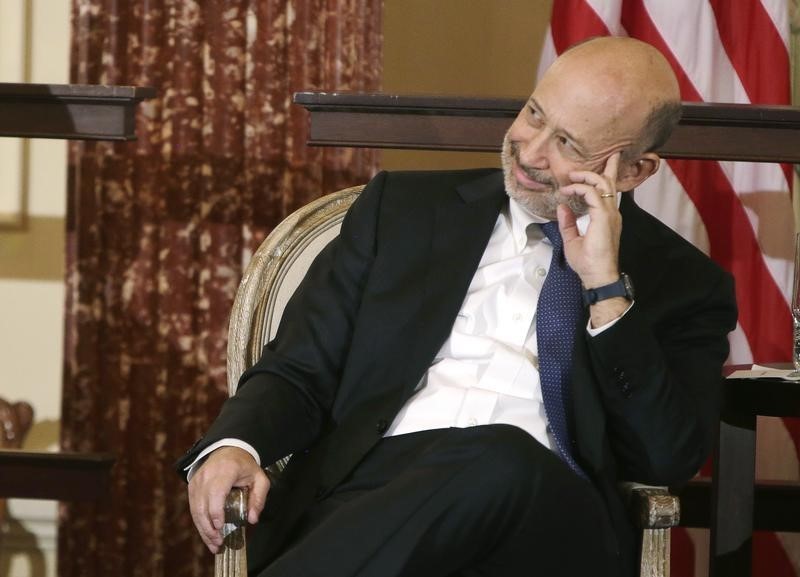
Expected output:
(481, 501)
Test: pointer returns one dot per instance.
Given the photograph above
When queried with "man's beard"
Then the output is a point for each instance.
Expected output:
(541, 203)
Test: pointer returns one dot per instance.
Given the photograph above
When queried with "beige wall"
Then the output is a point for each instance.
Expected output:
(31, 270)
(460, 47)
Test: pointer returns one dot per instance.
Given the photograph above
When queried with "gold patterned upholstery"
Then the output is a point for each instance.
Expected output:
(270, 279)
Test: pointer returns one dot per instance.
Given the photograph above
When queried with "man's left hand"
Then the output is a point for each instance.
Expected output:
(595, 255)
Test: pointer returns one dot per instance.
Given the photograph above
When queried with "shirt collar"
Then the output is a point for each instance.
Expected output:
(520, 220)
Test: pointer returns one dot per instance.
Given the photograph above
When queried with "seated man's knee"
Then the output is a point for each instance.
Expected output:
(513, 459)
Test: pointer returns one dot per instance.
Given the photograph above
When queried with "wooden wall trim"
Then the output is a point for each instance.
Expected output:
(376, 120)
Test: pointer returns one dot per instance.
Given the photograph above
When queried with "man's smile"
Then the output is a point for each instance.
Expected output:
(526, 181)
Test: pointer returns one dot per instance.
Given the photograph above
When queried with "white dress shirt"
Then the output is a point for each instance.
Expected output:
(487, 370)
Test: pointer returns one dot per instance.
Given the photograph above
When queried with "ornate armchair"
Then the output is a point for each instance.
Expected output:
(270, 279)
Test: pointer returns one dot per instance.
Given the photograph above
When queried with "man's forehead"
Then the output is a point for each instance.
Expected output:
(560, 123)
(592, 98)
(596, 129)
(627, 77)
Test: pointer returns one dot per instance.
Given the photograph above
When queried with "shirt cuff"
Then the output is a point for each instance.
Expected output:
(192, 468)
(594, 332)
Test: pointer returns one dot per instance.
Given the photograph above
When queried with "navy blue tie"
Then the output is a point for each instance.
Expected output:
(557, 317)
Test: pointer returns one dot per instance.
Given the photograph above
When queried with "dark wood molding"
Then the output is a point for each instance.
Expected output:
(376, 120)
(71, 111)
(59, 476)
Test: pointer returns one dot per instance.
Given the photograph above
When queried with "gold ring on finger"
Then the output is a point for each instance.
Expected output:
(607, 195)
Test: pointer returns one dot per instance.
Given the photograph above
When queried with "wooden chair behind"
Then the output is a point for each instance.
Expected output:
(16, 420)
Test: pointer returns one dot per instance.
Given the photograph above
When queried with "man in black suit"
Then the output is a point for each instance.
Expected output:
(451, 405)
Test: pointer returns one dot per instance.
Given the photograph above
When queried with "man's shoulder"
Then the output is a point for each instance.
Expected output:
(432, 182)
(647, 240)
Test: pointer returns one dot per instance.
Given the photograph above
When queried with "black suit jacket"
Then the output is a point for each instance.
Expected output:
(381, 299)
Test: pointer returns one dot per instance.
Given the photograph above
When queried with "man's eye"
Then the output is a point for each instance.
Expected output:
(568, 147)
(535, 117)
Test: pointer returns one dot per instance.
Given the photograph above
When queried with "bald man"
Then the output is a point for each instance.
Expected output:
(466, 372)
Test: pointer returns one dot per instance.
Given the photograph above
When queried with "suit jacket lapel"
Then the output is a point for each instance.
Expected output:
(463, 223)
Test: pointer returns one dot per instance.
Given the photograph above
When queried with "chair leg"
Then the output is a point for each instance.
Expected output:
(655, 553)
(231, 561)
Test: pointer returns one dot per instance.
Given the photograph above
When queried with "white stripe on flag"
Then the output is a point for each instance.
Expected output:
(778, 12)
(762, 190)
(609, 12)
(694, 40)
(740, 349)
(548, 53)
(663, 196)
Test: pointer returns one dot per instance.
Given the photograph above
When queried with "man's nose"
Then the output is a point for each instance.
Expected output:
(534, 151)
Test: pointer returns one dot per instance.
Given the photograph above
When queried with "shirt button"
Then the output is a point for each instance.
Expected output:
(472, 422)
(540, 271)
(516, 316)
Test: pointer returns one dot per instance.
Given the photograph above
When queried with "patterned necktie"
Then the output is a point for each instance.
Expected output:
(557, 316)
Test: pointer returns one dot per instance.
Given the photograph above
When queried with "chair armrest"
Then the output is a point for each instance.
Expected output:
(651, 507)
(231, 561)
(654, 511)
(236, 507)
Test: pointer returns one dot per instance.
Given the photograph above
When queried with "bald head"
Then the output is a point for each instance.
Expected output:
(630, 62)
(635, 81)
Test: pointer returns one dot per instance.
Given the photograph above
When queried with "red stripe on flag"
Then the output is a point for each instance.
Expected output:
(637, 22)
(772, 559)
(755, 49)
(682, 553)
(763, 312)
(757, 52)
(573, 21)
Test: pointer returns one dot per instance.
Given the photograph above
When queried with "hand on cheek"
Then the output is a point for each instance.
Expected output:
(593, 256)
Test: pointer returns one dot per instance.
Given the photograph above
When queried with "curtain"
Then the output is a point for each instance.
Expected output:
(158, 232)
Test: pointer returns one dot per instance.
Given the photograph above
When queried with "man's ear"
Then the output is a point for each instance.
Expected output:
(632, 174)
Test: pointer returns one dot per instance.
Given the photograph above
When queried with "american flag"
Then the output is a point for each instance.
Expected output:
(738, 213)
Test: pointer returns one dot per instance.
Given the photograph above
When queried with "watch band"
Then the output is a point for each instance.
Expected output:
(622, 287)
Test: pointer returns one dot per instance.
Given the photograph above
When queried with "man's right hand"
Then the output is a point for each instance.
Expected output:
(223, 469)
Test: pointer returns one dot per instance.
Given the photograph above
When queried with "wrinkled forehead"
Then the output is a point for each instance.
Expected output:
(591, 104)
